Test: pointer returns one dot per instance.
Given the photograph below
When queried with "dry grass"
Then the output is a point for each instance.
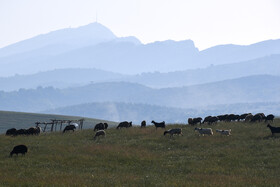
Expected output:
(144, 157)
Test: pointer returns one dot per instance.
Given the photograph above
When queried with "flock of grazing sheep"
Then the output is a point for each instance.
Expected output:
(101, 127)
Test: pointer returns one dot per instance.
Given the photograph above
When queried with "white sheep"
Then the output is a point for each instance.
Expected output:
(224, 132)
(204, 131)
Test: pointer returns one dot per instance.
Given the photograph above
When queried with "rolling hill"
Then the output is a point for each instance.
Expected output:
(20, 120)
(268, 65)
(60, 78)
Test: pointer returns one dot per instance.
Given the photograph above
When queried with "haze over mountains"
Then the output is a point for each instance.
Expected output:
(89, 64)
(95, 46)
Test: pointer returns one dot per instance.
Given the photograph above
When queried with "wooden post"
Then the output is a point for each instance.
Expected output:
(60, 125)
(45, 127)
(81, 123)
(52, 123)
(37, 123)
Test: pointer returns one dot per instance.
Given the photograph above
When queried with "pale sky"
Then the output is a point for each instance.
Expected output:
(206, 22)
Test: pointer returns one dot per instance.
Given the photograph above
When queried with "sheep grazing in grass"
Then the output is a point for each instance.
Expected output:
(269, 117)
(249, 117)
(222, 117)
(124, 124)
(273, 129)
(224, 132)
(21, 132)
(243, 116)
(99, 133)
(177, 131)
(194, 121)
(19, 149)
(159, 125)
(143, 124)
(258, 117)
(204, 131)
(11, 132)
(100, 126)
(210, 120)
(69, 128)
(190, 121)
(33, 131)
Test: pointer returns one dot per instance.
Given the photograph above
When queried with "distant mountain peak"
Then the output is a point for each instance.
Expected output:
(90, 34)
(95, 28)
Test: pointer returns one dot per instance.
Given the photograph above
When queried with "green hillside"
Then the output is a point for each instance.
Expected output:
(144, 157)
(25, 120)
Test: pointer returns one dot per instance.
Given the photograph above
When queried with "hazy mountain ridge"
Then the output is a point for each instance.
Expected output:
(64, 78)
(60, 78)
(269, 65)
(243, 90)
(121, 57)
(95, 46)
(224, 54)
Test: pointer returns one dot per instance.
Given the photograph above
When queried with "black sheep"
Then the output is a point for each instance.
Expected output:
(99, 126)
(222, 117)
(99, 133)
(69, 128)
(143, 123)
(194, 121)
(206, 119)
(273, 129)
(33, 131)
(269, 117)
(124, 124)
(258, 117)
(11, 132)
(210, 120)
(243, 116)
(106, 125)
(19, 149)
(21, 132)
(161, 124)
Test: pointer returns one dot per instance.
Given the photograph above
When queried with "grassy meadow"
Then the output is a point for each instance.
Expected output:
(144, 157)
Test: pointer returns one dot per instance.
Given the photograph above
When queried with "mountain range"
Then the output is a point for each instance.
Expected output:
(95, 46)
(64, 78)
(258, 88)
(89, 71)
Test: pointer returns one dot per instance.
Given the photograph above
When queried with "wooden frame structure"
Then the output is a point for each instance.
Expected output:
(55, 122)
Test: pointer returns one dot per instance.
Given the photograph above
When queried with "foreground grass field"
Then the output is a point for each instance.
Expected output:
(144, 157)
